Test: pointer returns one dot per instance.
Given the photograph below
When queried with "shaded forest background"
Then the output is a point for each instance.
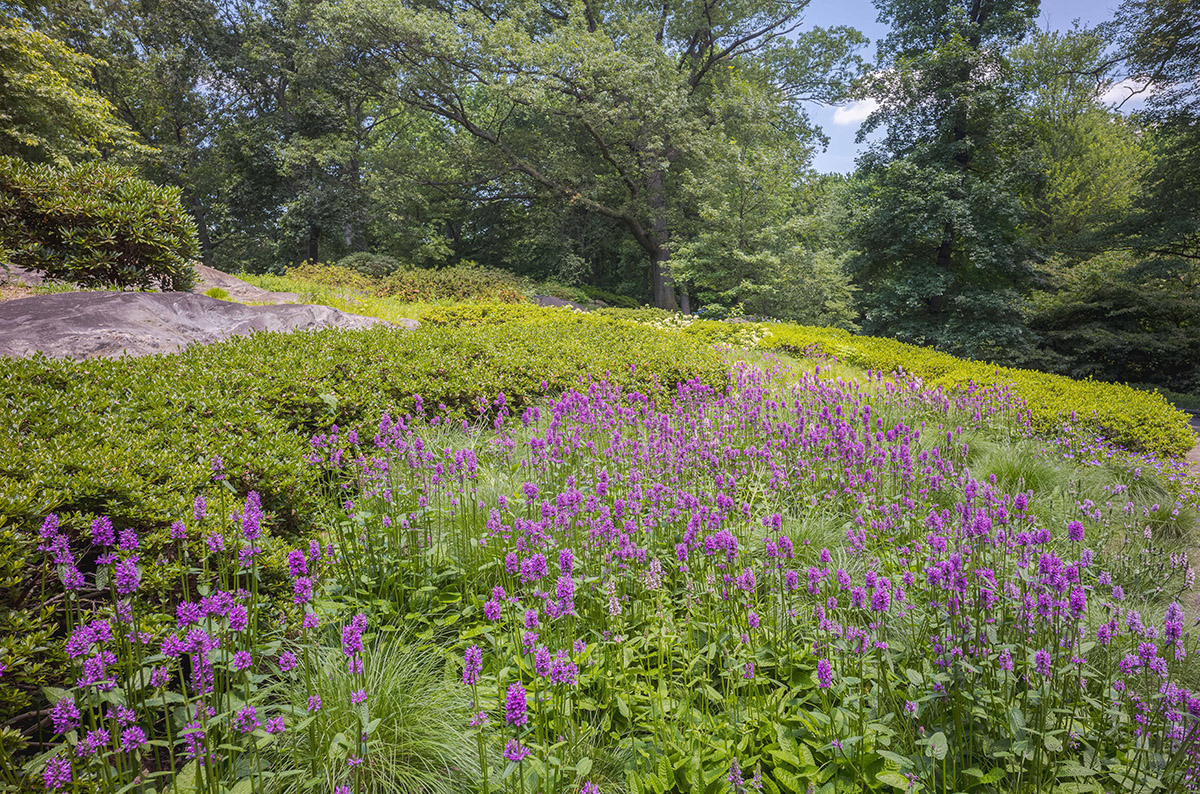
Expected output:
(663, 151)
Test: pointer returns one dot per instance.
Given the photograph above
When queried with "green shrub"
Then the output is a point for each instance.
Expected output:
(461, 283)
(132, 438)
(218, 293)
(611, 298)
(95, 225)
(369, 264)
(1137, 420)
(328, 275)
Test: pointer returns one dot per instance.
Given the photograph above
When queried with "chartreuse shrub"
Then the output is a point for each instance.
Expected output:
(95, 224)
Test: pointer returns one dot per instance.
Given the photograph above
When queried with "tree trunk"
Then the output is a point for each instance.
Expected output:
(660, 254)
(312, 252)
(685, 300)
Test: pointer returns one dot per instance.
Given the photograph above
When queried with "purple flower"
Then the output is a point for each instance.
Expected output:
(752, 619)
(199, 508)
(274, 725)
(589, 788)
(246, 720)
(215, 543)
(302, 590)
(287, 661)
(178, 531)
(193, 736)
(95, 741)
(297, 563)
(824, 674)
(1042, 661)
(491, 610)
(1075, 531)
(65, 715)
(745, 580)
(352, 644)
(515, 705)
(242, 660)
(541, 661)
(102, 531)
(358, 696)
(128, 540)
(314, 703)
(132, 738)
(128, 578)
(514, 752)
(57, 773)
(252, 516)
(472, 665)
(311, 621)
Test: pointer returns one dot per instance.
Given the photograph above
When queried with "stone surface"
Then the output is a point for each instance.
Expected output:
(91, 324)
(207, 278)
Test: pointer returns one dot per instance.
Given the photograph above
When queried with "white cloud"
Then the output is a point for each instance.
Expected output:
(1124, 92)
(855, 112)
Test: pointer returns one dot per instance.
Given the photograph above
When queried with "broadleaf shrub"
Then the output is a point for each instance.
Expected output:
(95, 224)
(369, 264)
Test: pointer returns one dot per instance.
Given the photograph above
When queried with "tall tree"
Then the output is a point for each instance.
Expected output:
(944, 256)
(1159, 44)
(600, 104)
(49, 108)
(1092, 159)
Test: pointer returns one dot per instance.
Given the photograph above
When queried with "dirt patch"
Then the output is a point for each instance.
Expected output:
(10, 292)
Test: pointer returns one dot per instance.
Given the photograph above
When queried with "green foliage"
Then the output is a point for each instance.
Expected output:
(371, 264)
(600, 109)
(1092, 158)
(102, 437)
(611, 298)
(418, 717)
(49, 110)
(461, 283)
(943, 254)
(1137, 420)
(95, 224)
(1118, 318)
(218, 293)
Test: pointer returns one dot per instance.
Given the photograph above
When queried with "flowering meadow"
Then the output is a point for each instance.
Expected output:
(813, 579)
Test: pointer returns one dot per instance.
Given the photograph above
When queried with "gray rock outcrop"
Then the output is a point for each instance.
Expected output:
(106, 324)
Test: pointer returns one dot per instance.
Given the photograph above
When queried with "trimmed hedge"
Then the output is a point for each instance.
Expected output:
(95, 225)
(132, 438)
(1137, 420)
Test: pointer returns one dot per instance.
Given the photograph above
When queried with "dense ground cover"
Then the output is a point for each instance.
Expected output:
(662, 578)
(1134, 418)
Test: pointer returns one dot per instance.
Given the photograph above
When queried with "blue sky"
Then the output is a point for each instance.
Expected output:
(841, 124)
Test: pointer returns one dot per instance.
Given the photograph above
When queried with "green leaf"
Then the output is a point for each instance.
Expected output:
(893, 779)
(938, 746)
